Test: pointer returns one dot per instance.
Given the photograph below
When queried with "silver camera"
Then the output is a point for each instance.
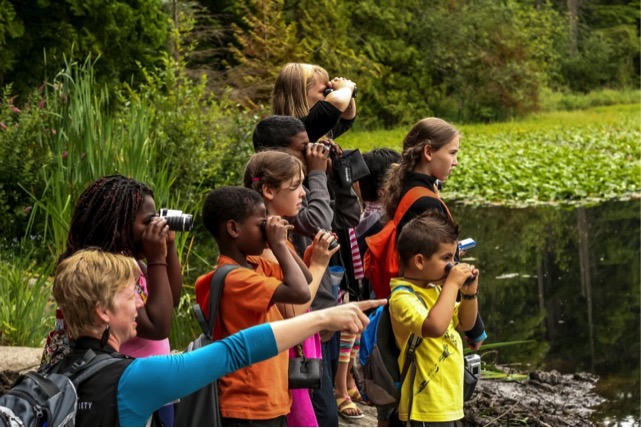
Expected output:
(473, 364)
(471, 375)
(176, 220)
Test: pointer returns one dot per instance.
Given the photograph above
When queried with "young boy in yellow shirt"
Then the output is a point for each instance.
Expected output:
(424, 304)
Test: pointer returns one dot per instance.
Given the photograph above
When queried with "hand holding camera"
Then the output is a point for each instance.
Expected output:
(339, 83)
(316, 156)
(325, 245)
(464, 274)
(176, 220)
(275, 230)
(333, 241)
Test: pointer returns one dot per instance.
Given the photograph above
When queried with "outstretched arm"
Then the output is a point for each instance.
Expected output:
(184, 373)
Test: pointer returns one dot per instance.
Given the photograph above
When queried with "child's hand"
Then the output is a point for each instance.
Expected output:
(171, 237)
(471, 288)
(316, 156)
(154, 240)
(460, 272)
(338, 149)
(321, 253)
(276, 229)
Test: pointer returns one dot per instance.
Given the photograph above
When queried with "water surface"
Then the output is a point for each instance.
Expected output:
(567, 279)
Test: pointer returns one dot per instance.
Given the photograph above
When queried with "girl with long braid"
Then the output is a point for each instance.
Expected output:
(118, 215)
(429, 155)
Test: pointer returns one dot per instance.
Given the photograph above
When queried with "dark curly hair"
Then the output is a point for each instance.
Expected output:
(104, 216)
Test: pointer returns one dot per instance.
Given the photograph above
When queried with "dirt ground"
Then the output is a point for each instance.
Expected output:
(545, 399)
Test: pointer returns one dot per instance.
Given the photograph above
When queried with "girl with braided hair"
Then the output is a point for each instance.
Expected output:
(429, 155)
(118, 215)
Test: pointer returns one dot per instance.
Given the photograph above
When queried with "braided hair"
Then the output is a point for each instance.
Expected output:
(104, 216)
(430, 131)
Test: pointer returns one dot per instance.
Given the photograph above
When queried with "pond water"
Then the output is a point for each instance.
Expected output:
(567, 279)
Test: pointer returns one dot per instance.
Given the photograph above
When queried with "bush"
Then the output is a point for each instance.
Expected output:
(22, 155)
(568, 101)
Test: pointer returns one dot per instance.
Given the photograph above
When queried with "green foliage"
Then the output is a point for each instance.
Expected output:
(394, 85)
(490, 65)
(26, 315)
(184, 327)
(546, 158)
(10, 29)
(22, 155)
(567, 101)
(604, 59)
(87, 142)
(264, 44)
(125, 34)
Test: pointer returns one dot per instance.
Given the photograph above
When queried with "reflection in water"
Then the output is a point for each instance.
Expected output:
(567, 278)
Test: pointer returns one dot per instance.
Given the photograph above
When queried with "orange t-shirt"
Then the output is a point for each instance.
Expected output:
(259, 391)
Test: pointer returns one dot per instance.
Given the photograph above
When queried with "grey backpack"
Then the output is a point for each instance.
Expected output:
(46, 397)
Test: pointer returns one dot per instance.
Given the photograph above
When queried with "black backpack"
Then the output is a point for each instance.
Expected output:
(46, 397)
(201, 408)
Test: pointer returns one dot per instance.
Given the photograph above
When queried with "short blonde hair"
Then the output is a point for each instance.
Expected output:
(289, 97)
(88, 278)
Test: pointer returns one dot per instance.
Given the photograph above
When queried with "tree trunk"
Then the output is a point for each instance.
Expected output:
(573, 8)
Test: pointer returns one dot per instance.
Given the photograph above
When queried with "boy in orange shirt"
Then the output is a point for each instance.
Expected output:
(257, 395)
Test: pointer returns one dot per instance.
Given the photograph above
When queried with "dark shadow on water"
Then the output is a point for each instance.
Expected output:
(567, 278)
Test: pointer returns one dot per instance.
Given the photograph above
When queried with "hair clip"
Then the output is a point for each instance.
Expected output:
(255, 179)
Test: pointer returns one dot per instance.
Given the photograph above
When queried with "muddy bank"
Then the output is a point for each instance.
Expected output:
(541, 399)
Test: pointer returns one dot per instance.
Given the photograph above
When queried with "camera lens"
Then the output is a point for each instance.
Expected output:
(181, 223)
(176, 220)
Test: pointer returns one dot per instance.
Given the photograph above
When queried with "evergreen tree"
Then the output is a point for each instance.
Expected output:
(265, 44)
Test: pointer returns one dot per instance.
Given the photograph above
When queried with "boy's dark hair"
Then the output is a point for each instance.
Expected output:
(104, 216)
(378, 162)
(228, 203)
(424, 234)
(276, 132)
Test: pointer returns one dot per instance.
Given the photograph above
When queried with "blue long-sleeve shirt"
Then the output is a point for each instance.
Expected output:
(149, 383)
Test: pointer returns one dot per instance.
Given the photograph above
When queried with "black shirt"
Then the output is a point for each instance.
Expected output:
(325, 119)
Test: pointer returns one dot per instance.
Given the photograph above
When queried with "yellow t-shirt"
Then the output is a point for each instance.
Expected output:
(438, 385)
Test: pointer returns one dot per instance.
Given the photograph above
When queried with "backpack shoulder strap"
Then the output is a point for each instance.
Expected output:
(85, 367)
(413, 195)
(413, 341)
(216, 292)
(90, 364)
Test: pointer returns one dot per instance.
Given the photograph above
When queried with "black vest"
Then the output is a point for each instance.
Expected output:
(97, 396)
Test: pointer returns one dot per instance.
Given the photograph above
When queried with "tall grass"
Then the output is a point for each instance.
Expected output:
(90, 138)
(26, 313)
(557, 101)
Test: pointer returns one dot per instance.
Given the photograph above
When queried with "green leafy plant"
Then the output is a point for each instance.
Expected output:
(26, 313)
(547, 158)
